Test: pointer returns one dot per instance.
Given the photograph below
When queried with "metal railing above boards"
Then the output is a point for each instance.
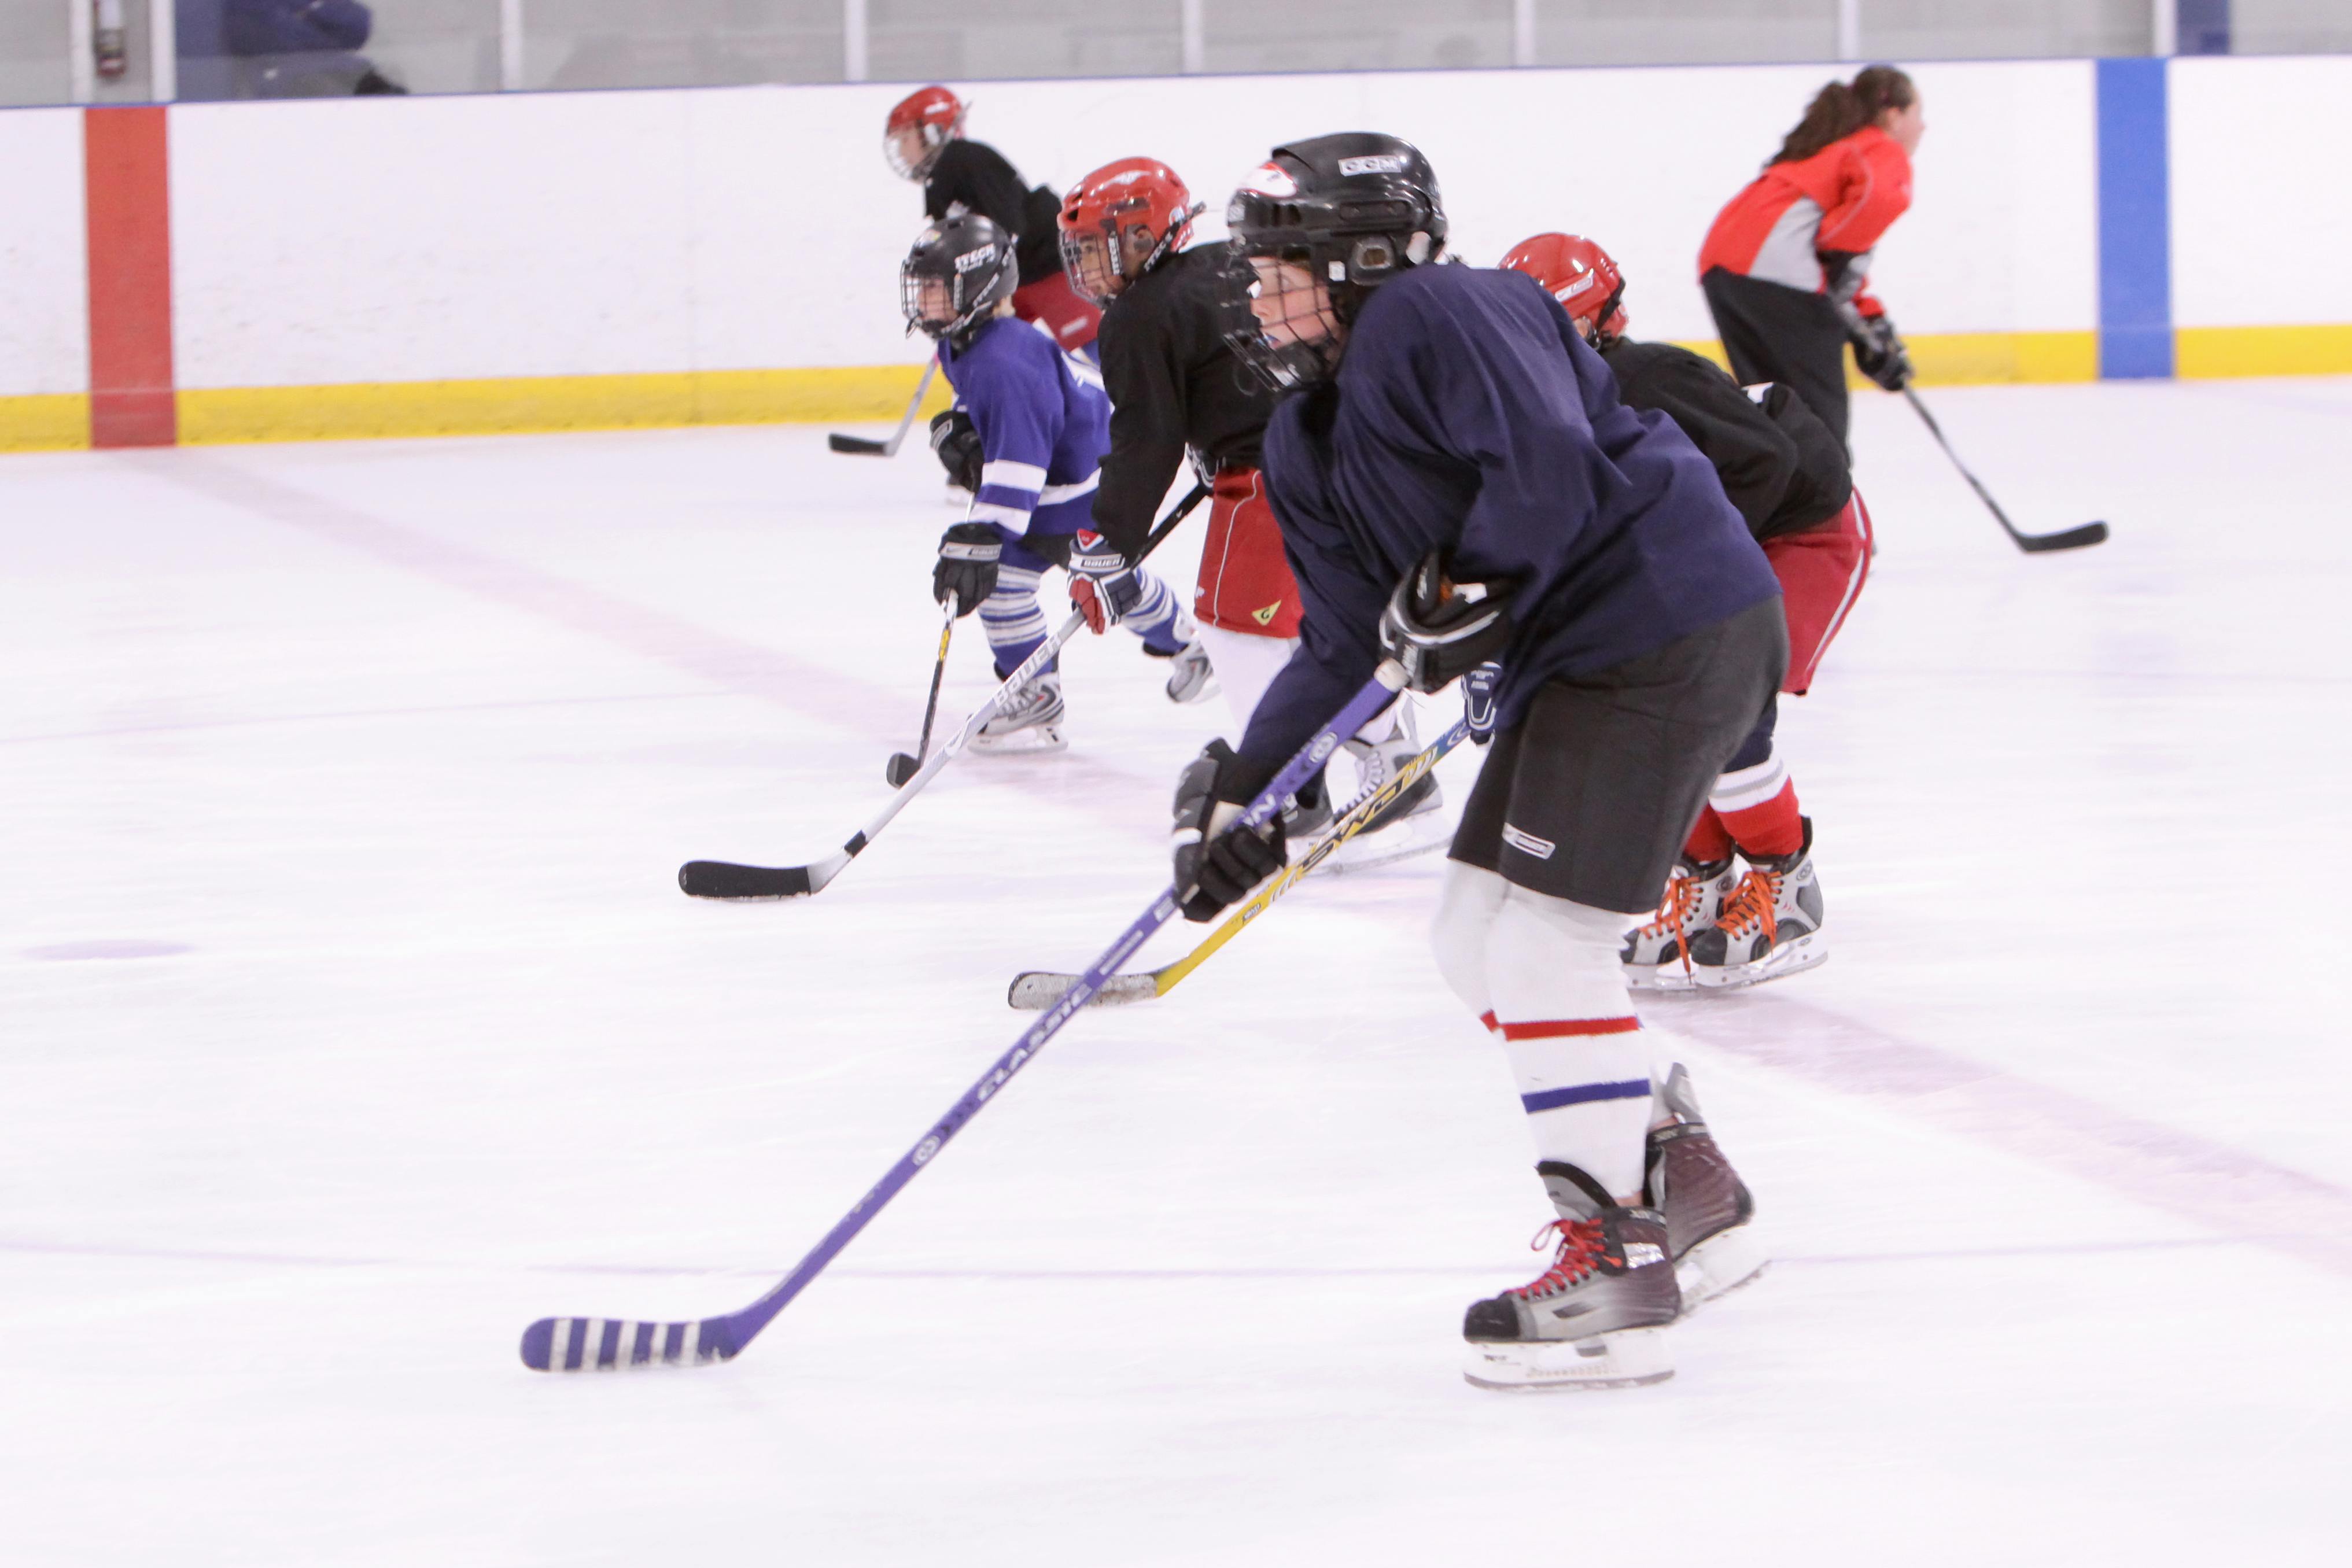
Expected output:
(130, 51)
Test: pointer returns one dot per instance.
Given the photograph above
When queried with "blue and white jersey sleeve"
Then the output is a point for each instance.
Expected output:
(1018, 413)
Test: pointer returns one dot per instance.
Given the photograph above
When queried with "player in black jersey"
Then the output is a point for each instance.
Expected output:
(924, 141)
(1786, 471)
(1175, 385)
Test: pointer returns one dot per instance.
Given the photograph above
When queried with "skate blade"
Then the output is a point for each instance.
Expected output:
(1628, 1358)
(1035, 740)
(1721, 1264)
(1416, 835)
(1658, 977)
(1804, 953)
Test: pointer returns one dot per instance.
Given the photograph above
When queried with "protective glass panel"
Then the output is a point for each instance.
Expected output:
(1902, 30)
(680, 43)
(1683, 31)
(952, 40)
(34, 42)
(335, 48)
(2290, 27)
(1354, 34)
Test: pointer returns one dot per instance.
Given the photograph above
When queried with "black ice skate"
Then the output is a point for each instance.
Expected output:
(1031, 720)
(1770, 926)
(1597, 1318)
(1710, 1230)
(1657, 953)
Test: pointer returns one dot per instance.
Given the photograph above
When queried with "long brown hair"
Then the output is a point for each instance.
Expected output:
(1840, 109)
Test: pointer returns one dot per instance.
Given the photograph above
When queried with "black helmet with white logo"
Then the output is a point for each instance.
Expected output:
(1359, 206)
(1356, 209)
(955, 276)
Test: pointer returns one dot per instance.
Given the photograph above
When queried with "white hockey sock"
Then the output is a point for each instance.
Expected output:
(1575, 1047)
(1246, 665)
(1467, 907)
(1749, 787)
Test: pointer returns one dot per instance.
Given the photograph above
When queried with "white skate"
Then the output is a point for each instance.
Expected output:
(1030, 721)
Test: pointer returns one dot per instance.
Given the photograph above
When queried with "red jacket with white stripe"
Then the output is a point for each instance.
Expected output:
(1806, 225)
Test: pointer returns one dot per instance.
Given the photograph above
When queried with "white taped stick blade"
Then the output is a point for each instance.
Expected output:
(1041, 989)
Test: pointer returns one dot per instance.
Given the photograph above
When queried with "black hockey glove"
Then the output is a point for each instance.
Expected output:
(967, 568)
(1478, 688)
(1103, 587)
(956, 444)
(1217, 864)
(1439, 629)
(1878, 353)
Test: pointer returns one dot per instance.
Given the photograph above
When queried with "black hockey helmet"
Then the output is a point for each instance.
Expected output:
(1355, 209)
(955, 276)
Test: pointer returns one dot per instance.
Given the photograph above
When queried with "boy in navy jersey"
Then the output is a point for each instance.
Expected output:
(1457, 482)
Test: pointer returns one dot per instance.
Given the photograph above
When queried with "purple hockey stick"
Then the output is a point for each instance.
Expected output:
(611, 1344)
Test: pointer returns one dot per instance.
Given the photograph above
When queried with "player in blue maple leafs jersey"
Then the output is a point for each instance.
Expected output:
(1026, 437)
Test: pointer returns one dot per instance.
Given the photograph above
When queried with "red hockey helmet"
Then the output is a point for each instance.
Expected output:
(1581, 275)
(1119, 222)
(920, 124)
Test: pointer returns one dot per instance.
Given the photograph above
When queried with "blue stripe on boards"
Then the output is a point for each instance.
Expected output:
(2135, 222)
(1584, 1093)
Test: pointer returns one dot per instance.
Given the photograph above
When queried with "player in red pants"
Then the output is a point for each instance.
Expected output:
(924, 141)
(1175, 385)
(1786, 474)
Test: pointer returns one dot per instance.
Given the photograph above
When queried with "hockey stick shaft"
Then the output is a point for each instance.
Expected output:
(707, 879)
(1983, 495)
(564, 1343)
(2032, 544)
(939, 672)
(1167, 978)
(1858, 331)
(907, 422)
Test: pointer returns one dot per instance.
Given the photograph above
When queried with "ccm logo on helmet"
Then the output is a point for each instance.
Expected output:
(1374, 163)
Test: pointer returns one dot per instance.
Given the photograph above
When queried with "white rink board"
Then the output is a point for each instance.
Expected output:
(400, 743)
(2261, 211)
(44, 280)
(743, 228)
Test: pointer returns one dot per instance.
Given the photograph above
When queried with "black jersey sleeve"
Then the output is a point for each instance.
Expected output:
(1141, 372)
(1754, 457)
(1823, 482)
(974, 176)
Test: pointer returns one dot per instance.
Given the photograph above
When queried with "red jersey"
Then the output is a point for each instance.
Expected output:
(1840, 199)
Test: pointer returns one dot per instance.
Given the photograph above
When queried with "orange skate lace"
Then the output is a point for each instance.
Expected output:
(1752, 904)
(1583, 1244)
(1674, 910)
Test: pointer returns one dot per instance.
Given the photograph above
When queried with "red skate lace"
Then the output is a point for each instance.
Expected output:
(1583, 1244)
(1752, 904)
(1682, 897)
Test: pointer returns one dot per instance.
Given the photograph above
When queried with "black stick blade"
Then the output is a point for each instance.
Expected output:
(859, 445)
(724, 879)
(2073, 538)
(618, 1345)
(900, 768)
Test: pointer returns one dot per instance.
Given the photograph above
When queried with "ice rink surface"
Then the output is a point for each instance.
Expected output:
(353, 1019)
